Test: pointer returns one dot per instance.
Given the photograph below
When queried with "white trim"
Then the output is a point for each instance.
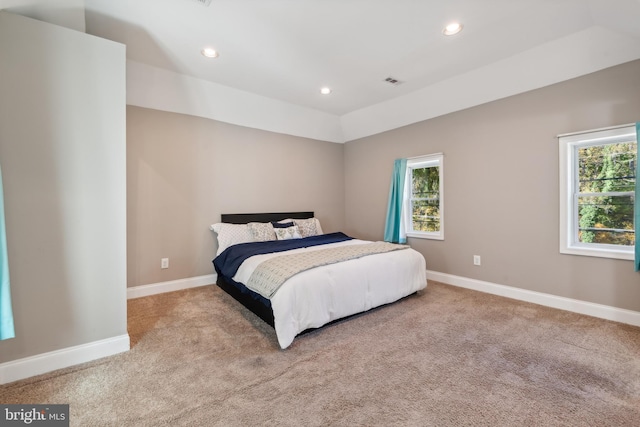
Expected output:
(568, 164)
(562, 135)
(427, 235)
(576, 306)
(170, 286)
(602, 251)
(58, 359)
(418, 162)
(425, 161)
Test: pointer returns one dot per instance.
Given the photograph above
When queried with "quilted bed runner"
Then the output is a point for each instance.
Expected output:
(272, 273)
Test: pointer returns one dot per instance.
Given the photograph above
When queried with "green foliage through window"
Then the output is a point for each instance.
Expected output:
(425, 199)
(606, 175)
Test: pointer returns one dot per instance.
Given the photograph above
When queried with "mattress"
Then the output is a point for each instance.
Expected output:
(318, 296)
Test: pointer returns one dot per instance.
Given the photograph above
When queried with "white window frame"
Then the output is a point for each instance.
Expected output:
(418, 163)
(569, 145)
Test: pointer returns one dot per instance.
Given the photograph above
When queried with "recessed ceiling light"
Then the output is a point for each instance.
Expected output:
(325, 91)
(451, 29)
(209, 52)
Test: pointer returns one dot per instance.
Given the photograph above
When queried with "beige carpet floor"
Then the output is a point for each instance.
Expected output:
(445, 357)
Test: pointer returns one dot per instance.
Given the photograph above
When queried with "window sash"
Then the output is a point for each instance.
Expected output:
(578, 228)
(426, 218)
(423, 163)
(570, 195)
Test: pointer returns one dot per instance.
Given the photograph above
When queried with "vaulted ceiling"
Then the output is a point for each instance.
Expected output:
(287, 50)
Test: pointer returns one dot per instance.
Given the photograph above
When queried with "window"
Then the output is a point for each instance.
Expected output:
(597, 184)
(423, 208)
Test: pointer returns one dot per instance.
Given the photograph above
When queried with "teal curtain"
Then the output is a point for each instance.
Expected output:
(6, 315)
(637, 199)
(393, 229)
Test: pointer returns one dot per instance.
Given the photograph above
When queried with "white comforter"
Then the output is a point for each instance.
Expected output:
(318, 296)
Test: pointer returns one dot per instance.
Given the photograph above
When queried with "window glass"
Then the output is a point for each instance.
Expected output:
(606, 177)
(597, 191)
(423, 210)
(425, 199)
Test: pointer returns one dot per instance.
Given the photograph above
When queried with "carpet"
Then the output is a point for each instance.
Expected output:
(446, 356)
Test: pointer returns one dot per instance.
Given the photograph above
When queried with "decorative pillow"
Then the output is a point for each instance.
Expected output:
(287, 233)
(282, 224)
(261, 231)
(318, 228)
(231, 234)
(307, 227)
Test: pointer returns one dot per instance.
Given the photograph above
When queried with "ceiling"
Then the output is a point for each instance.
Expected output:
(289, 49)
(286, 50)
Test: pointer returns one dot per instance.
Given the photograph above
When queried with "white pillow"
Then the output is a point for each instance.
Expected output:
(308, 227)
(231, 234)
(287, 233)
(261, 231)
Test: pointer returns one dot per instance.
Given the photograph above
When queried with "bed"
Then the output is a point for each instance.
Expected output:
(320, 277)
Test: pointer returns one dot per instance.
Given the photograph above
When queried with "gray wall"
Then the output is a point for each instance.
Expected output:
(184, 171)
(501, 186)
(62, 150)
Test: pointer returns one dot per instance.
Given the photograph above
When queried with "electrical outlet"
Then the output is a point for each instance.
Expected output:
(476, 260)
(164, 263)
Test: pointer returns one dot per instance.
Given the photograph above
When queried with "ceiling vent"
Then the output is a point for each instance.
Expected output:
(392, 81)
(203, 2)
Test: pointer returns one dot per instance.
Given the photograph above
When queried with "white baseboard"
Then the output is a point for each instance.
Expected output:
(42, 363)
(47, 362)
(590, 309)
(173, 285)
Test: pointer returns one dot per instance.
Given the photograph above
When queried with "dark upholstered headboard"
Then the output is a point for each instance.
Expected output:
(245, 218)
